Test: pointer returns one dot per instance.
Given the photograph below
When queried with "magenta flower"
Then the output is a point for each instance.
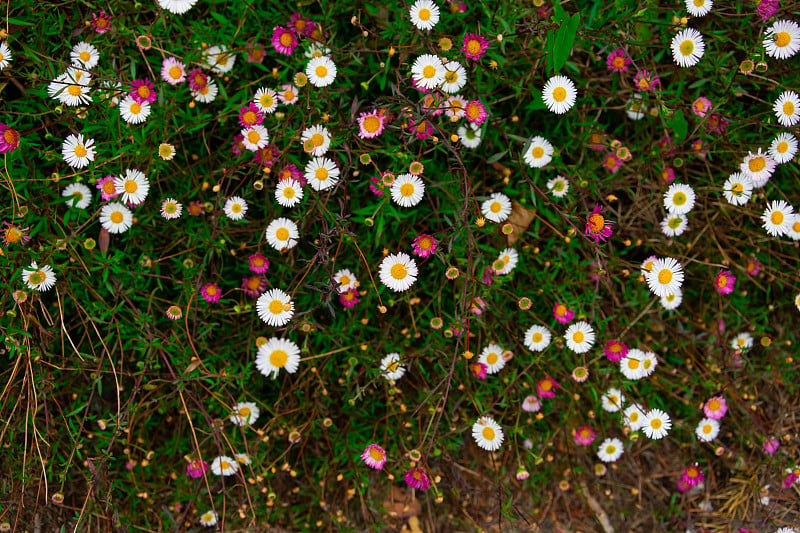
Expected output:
(370, 124)
(107, 189)
(789, 480)
(376, 186)
(646, 81)
(682, 485)
(258, 263)
(374, 456)
(9, 139)
(767, 8)
(417, 478)
(615, 351)
(475, 112)
(584, 436)
(101, 22)
(478, 305)
(752, 267)
(349, 298)
(474, 46)
(487, 278)
(143, 91)
(546, 387)
(692, 476)
(283, 40)
(424, 245)
(618, 60)
(421, 128)
(197, 80)
(250, 115)
(253, 286)
(196, 468)
(701, 106)
(237, 144)
(173, 71)
(667, 176)
(562, 314)
(725, 282)
(301, 25)
(715, 407)
(716, 124)
(255, 52)
(597, 226)
(612, 162)
(479, 370)
(211, 292)
(268, 156)
(771, 445)
(531, 404)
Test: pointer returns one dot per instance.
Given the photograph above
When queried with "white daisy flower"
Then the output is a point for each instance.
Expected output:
(178, 7)
(558, 186)
(266, 100)
(71, 88)
(428, 71)
(245, 414)
(497, 207)
(282, 233)
(688, 47)
(539, 152)
(794, 230)
(612, 400)
(255, 138)
(391, 369)
(635, 108)
(492, 357)
(316, 50)
(537, 338)
(288, 192)
(649, 364)
(208, 519)
(321, 173)
(674, 225)
(171, 209)
(166, 151)
(317, 138)
(579, 337)
(610, 450)
(218, 59)
(398, 271)
(5, 55)
(206, 94)
(656, 424)
(672, 300)
(115, 217)
(707, 430)
(665, 277)
(506, 261)
(39, 279)
(782, 40)
(778, 218)
(455, 107)
(407, 190)
(783, 148)
(742, 341)
(224, 465)
(738, 188)
(679, 199)
(787, 108)
(134, 112)
(698, 8)
(173, 71)
(84, 55)
(77, 151)
(559, 94)
(487, 433)
(633, 417)
(455, 77)
(647, 265)
(345, 280)
(79, 195)
(242, 458)
(275, 307)
(277, 354)
(470, 135)
(321, 71)
(631, 365)
(133, 186)
(235, 208)
(759, 167)
(424, 14)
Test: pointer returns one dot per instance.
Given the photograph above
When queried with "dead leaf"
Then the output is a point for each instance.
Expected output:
(400, 504)
(520, 218)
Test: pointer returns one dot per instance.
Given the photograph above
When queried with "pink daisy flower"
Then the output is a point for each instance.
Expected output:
(474, 46)
(615, 351)
(374, 456)
(197, 80)
(101, 22)
(479, 370)
(253, 286)
(584, 436)
(211, 292)
(597, 226)
(725, 282)
(173, 71)
(107, 189)
(531, 404)
(475, 112)
(301, 25)
(562, 314)
(237, 145)
(716, 124)
(715, 408)
(433, 104)
(546, 387)
(370, 124)
(349, 298)
(267, 156)
(646, 81)
(667, 176)
(255, 52)
(417, 478)
(421, 129)
(283, 40)
(424, 245)
(250, 115)
(767, 8)
(478, 305)
(289, 94)
(618, 60)
(612, 162)
(258, 263)
(376, 186)
(701, 106)
(692, 476)
(682, 485)
(196, 468)
(752, 267)
(771, 445)
(143, 91)
(9, 139)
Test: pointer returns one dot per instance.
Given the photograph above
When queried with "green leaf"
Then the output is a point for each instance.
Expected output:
(678, 125)
(565, 38)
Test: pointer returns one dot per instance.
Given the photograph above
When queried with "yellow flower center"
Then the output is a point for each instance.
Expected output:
(610, 449)
(74, 90)
(707, 429)
(788, 108)
(424, 14)
(782, 147)
(473, 111)
(10, 136)
(13, 235)
(737, 189)
(278, 358)
(687, 47)
(266, 100)
(37, 278)
(321, 71)
(578, 337)
(143, 91)
(559, 94)
(80, 151)
(679, 198)
(165, 150)
(131, 186)
(537, 337)
(699, 3)
(253, 283)
(665, 276)
(253, 137)
(276, 307)
(722, 281)
(288, 192)
(282, 234)
(782, 39)
(399, 271)
(321, 173)
(200, 80)
(495, 207)
(175, 72)
(546, 385)
(757, 164)
(406, 189)
(674, 223)
(236, 208)
(655, 423)
(491, 358)
(633, 364)
(429, 71)
(249, 117)
(596, 223)
(618, 62)
(473, 47)
(244, 412)
(116, 217)
(451, 76)
(424, 243)
(537, 152)
(371, 124)
(136, 108)
(776, 217)
(288, 96)
(318, 139)
(375, 454)
(488, 433)
(224, 465)
(286, 39)
(84, 56)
